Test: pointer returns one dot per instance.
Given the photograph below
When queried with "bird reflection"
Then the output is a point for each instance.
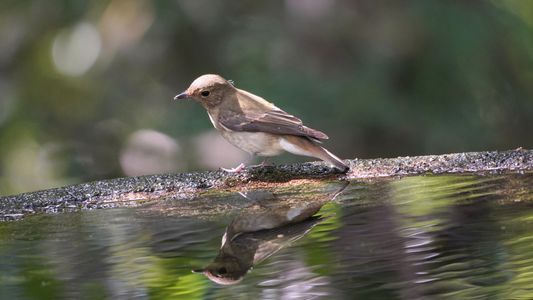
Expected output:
(259, 232)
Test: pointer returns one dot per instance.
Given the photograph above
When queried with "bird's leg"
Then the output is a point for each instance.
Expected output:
(237, 169)
(264, 163)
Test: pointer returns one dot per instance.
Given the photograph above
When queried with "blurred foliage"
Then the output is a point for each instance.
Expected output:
(382, 78)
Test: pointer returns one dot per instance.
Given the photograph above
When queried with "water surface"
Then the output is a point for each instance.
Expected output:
(424, 237)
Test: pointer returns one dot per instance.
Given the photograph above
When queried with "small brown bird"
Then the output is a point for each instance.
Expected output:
(255, 125)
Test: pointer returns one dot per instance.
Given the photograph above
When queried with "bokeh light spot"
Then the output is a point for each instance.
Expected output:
(74, 51)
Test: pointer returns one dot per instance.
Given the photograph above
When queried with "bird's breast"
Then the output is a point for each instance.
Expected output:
(256, 143)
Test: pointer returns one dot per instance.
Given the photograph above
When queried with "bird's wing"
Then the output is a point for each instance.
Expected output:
(274, 121)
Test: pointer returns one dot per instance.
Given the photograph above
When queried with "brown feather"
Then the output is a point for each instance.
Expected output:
(313, 149)
(255, 114)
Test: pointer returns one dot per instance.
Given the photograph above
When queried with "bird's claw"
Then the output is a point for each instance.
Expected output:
(237, 169)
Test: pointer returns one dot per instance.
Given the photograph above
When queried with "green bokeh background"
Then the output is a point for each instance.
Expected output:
(381, 78)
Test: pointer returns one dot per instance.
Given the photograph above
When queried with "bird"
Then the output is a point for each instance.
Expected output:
(255, 125)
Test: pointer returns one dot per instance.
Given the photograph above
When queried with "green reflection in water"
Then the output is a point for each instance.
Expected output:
(442, 237)
(317, 247)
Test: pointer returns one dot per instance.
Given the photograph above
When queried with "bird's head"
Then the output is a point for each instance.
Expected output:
(210, 90)
(224, 271)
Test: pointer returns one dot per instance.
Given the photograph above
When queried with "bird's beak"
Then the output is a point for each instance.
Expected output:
(183, 95)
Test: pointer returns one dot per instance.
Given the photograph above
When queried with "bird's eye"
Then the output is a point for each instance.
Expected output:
(222, 271)
(204, 93)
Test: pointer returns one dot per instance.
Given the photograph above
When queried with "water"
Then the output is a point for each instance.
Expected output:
(426, 237)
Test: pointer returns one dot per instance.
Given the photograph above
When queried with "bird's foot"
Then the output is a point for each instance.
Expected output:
(237, 169)
(264, 163)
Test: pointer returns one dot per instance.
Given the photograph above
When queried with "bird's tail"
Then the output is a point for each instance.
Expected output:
(305, 146)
